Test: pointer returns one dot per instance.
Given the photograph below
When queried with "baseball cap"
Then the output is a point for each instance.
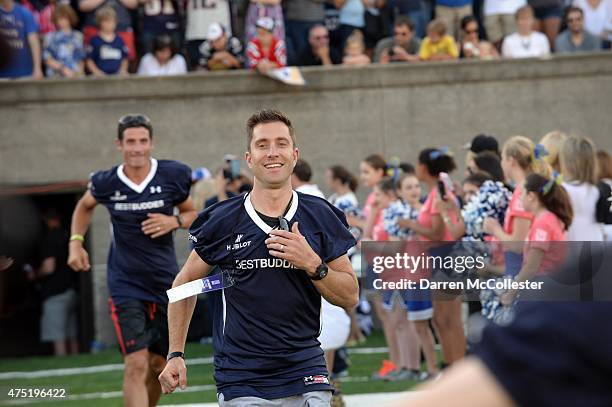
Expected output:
(483, 142)
(215, 31)
(265, 22)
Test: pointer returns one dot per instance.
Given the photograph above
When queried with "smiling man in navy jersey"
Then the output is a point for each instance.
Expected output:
(140, 195)
(266, 324)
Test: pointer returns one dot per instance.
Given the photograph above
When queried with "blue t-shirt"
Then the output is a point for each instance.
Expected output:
(140, 267)
(161, 16)
(107, 55)
(266, 325)
(454, 3)
(15, 27)
(64, 48)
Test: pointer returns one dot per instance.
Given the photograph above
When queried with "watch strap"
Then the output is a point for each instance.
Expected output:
(172, 355)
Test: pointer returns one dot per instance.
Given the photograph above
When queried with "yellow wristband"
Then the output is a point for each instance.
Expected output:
(80, 238)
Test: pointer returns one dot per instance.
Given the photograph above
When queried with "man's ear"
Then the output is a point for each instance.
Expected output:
(248, 159)
(118, 144)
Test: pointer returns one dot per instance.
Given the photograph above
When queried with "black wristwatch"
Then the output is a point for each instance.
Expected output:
(320, 272)
(175, 355)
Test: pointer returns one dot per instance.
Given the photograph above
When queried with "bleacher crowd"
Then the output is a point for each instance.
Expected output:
(72, 38)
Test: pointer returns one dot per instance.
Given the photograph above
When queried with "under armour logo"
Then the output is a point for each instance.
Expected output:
(238, 238)
(155, 189)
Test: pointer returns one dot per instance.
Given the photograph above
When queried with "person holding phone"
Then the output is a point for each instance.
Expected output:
(265, 325)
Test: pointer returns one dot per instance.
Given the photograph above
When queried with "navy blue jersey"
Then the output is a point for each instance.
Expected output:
(140, 267)
(266, 325)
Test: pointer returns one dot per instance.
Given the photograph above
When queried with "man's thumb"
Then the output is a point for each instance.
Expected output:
(295, 229)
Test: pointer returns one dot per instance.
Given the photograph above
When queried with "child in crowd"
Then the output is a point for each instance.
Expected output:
(354, 51)
(265, 52)
(549, 203)
(438, 46)
(418, 302)
(107, 53)
(63, 51)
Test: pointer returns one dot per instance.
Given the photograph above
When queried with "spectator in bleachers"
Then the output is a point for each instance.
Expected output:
(318, 51)
(499, 18)
(264, 8)
(63, 52)
(525, 42)
(451, 12)
(123, 10)
(597, 18)
(548, 14)
(604, 178)
(302, 16)
(471, 46)
(575, 38)
(21, 32)
(413, 9)
(163, 60)
(266, 52)
(402, 47)
(159, 17)
(107, 54)
(351, 18)
(354, 51)
(42, 11)
(377, 23)
(438, 46)
(200, 15)
(220, 51)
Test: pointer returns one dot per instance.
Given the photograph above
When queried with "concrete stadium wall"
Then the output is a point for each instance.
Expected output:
(62, 130)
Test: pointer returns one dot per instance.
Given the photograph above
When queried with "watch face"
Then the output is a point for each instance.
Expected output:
(322, 271)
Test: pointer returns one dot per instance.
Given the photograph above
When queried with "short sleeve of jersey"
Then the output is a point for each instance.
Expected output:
(337, 239)
(180, 175)
(209, 232)
(98, 185)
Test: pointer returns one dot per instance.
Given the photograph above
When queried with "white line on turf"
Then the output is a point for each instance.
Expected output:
(119, 367)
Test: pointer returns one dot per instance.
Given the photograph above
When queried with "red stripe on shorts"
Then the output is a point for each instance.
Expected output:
(115, 319)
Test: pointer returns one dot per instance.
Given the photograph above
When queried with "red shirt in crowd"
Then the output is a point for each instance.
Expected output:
(275, 54)
(545, 233)
(515, 210)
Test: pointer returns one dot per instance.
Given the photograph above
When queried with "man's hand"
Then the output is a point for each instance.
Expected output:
(158, 225)
(173, 375)
(78, 259)
(293, 247)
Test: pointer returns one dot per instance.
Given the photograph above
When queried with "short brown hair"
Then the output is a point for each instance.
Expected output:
(526, 10)
(437, 26)
(64, 10)
(105, 13)
(267, 116)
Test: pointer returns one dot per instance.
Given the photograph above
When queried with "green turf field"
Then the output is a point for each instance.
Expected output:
(199, 377)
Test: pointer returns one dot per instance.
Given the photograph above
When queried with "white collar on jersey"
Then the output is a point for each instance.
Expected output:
(138, 187)
(248, 205)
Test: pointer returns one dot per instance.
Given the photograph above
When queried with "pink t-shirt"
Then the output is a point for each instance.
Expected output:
(378, 230)
(515, 210)
(545, 233)
(427, 212)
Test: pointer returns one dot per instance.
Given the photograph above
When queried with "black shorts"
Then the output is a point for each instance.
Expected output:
(140, 325)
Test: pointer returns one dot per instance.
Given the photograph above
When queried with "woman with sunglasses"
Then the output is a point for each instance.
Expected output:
(471, 46)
